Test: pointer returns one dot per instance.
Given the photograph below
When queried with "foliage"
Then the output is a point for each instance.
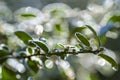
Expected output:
(45, 45)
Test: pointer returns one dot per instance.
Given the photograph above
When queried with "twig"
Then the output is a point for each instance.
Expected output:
(58, 53)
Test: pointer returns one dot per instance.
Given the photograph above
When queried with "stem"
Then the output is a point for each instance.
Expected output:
(58, 53)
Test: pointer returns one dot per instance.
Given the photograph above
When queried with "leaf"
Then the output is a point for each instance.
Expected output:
(2, 60)
(31, 43)
(22, 53)
(58, 27)
(29, 50)
(7, 74)
(78, 29)
(94, 32)
(28, 15)
(34, 65)
(82, 39)
(3, 53)
(93, 77)
(74, 30)
(60, 45)
(110, 60)
(23, 36)
(63, 56)
(115, 18)
(42, 46)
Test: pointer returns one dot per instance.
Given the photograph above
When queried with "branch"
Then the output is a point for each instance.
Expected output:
(58, 53)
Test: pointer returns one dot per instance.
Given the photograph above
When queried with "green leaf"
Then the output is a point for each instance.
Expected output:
(93, 77)
(94, 32)
(58, 27)
(63, 56)
(60, 45)
(3, 53)
(34, 65)
(2, 60)
(82, 39)
(78, 29)
(115, 18)
(42, 46)
(28, 15)
(22, 53)
(23, 36)
(7, 74)
(30, 50)
(110, 60)
(31, 43)
(74, 30)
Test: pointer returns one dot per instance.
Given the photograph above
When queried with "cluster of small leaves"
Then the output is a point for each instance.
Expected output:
(40, 49)
(30, 42)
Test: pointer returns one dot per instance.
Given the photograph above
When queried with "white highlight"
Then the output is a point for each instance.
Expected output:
(38, 30)
(49, 64)
(101, 62)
